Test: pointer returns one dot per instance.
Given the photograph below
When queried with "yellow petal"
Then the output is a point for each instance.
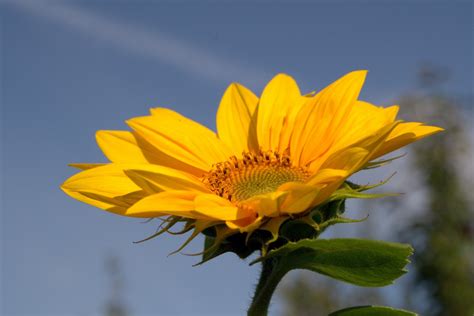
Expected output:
(375, 142)
(101, 187)
(325, 192)
(234, 117)
(120, 146)
(109, 180)
(266, 204)
(328, 180)
(327, 176)
(178, 203)
(303, 197)
(154, 178)
(319, 121)
(404, 134)
(300, 197)
(246, 224)
(364, 120)
(187, 204)
(391, 112)
(355, 157)
(160, 158)
(290, 121)
(214, 206)
(129, 147)
(181, 139)
(120, 201)
(349, 159)
(280, 94)
(97, 202)
(273, 226)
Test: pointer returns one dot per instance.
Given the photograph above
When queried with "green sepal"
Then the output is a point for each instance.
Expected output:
(383, 162)
(341, 220)
(167, 224)
(310, 225)
(371, 310)
(211, 252)
(298, 229)
(351, 186)
(334, 208)
(327, 215)
(348, 193)
(357, 261)
(214, 247)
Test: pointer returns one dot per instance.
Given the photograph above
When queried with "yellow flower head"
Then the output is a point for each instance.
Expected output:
(273, 157)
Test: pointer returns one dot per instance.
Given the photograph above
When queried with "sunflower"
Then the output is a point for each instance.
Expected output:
(272, 158)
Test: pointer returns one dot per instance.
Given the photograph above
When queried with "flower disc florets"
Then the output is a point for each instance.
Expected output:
(253, 174)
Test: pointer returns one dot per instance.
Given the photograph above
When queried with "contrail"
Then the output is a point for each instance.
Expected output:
(157, 45)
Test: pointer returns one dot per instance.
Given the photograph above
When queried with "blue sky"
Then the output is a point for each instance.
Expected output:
(70, 68)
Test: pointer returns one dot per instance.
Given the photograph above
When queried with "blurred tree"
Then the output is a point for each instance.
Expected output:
(308, 294)
(306, 298)
(115, 305)
(443, 235)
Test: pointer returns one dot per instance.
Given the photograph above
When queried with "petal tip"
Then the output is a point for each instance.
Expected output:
(283, 75)
(361, 73)
(100, 134)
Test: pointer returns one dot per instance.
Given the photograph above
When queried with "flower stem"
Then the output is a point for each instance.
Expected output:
(270, 276)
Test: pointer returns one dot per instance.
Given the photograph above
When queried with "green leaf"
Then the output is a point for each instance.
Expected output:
(372, 311)
(357, 261)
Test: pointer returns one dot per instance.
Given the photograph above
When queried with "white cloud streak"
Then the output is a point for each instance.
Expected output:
(152, 44)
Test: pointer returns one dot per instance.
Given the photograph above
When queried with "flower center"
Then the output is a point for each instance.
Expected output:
(254, 174)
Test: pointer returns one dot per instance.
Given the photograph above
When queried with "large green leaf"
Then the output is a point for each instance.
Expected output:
(357, 261)
(372, 311)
